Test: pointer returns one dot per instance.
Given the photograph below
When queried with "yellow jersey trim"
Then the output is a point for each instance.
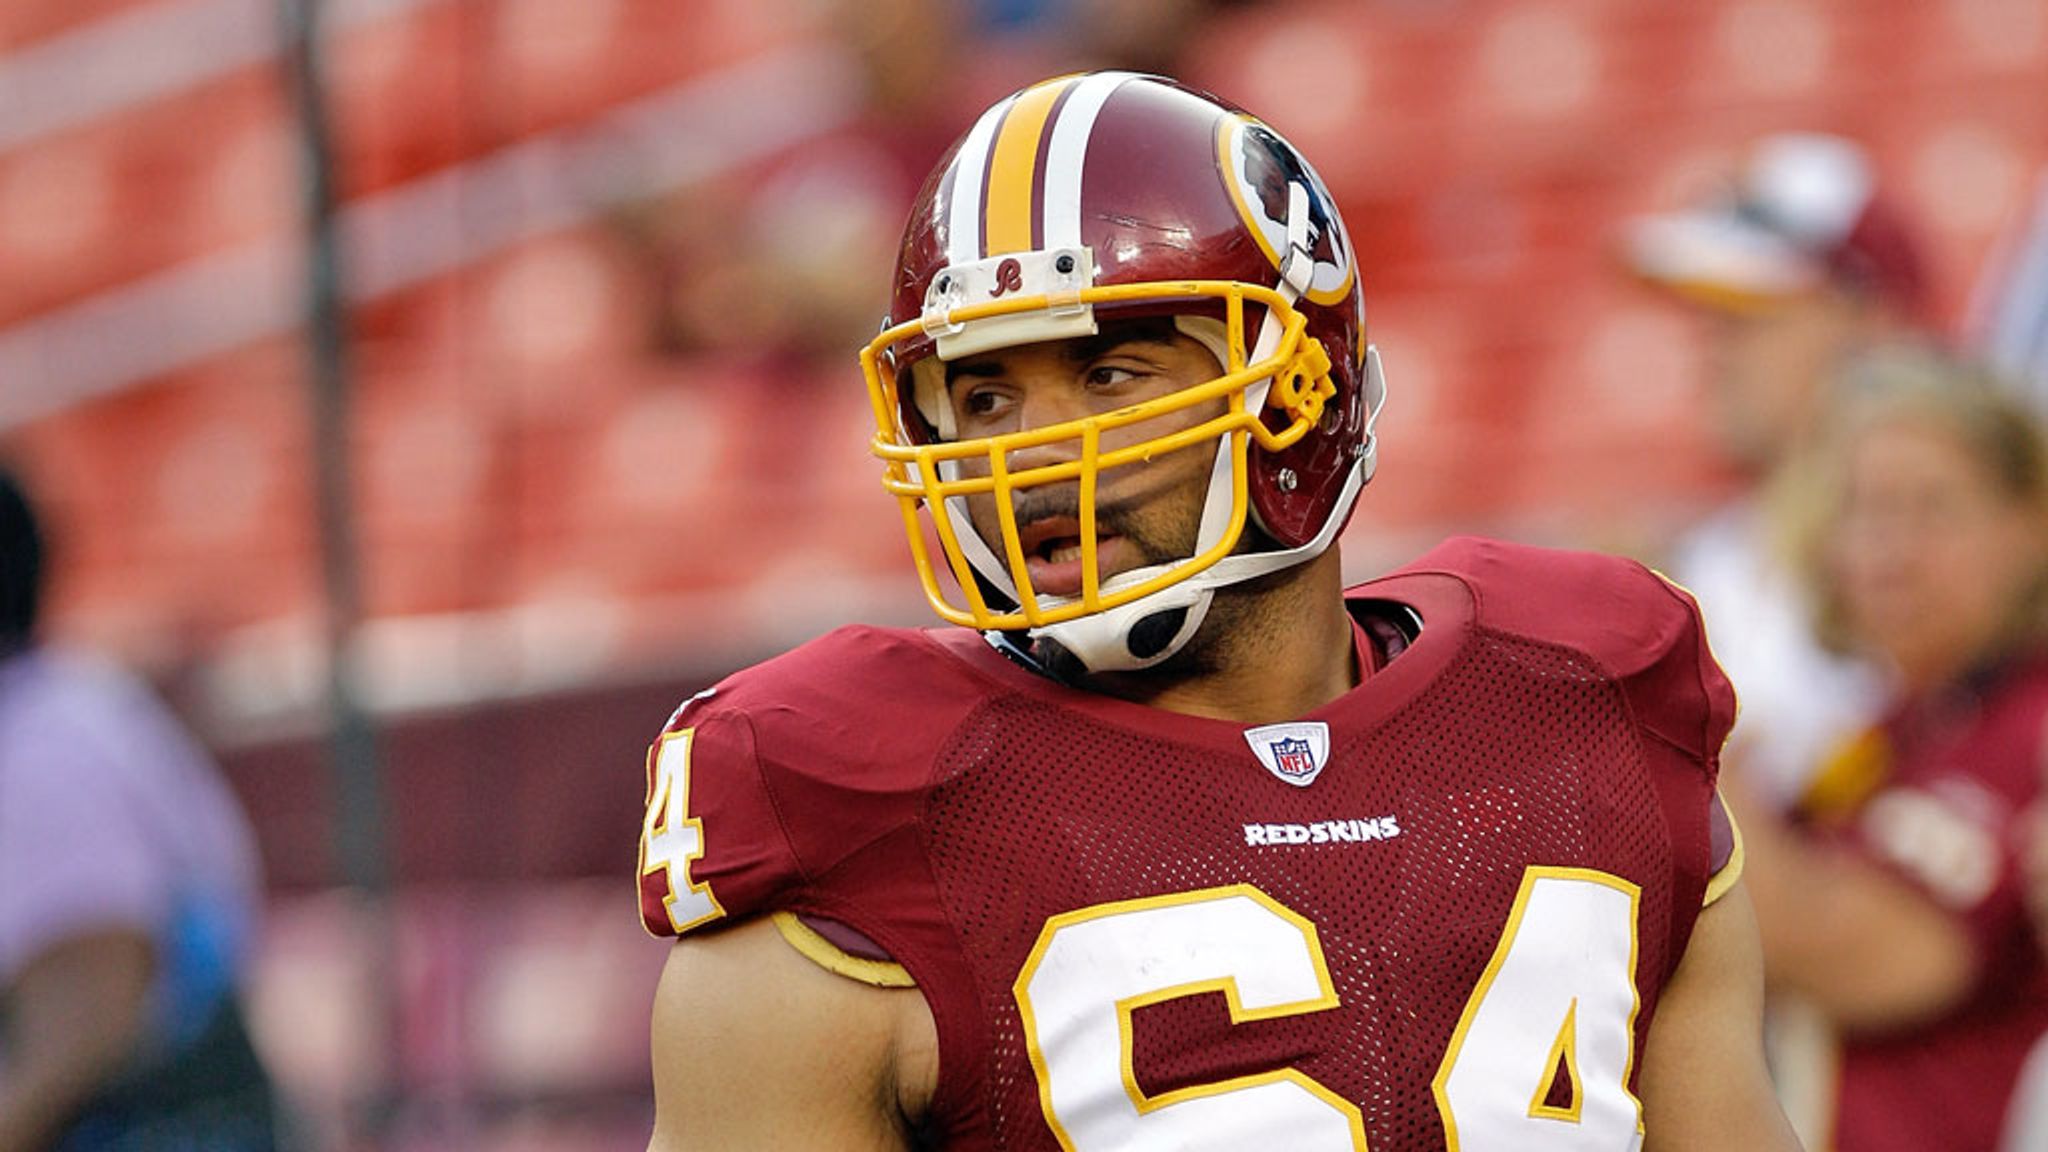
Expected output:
(832, 958)
(1720, 882)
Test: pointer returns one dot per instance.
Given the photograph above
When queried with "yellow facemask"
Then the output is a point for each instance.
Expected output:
(920, 470)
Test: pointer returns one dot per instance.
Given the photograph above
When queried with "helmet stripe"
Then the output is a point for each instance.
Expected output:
(1013, 167)
(1069, 149)
(1038, 163)
(970, 167)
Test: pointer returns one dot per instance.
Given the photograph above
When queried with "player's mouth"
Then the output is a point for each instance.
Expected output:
(1052, 556)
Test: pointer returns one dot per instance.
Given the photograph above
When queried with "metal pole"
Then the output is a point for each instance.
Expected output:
(353, 755)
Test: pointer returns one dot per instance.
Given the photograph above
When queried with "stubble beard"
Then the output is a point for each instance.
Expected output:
(1165, 529)
(1241, 617)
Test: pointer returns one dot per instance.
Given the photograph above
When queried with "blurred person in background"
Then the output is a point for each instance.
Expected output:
(1797, 270)
(2008, 321)
(2009, 327)
(128, 894)
(1892, 900)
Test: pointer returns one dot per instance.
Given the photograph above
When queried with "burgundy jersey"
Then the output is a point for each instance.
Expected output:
(1964, 769)
(1436, 912)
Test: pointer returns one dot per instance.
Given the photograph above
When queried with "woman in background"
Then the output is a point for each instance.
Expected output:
(1893, 903)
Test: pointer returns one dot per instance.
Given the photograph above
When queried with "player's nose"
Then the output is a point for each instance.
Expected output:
(1045, 404)
(1053, 398)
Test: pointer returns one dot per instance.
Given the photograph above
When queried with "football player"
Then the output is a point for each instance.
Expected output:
(1171, 841)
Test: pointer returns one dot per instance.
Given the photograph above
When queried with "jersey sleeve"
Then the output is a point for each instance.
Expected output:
(74, 854)
(1685, 698)
(1677, 688)
(84, 802)
(1724, 851)
(711, 845)
(1686, 705)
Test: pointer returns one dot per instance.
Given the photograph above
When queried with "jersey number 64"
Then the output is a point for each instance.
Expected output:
(1558, 992)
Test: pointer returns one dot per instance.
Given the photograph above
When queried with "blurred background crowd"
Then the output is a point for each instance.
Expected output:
(606, 264)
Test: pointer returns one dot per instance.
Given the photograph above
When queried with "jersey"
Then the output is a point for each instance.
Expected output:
(1435, 912)
(1963, 769)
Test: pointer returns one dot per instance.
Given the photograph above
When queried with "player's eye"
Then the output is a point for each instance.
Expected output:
(983, 402)
(1110, 375)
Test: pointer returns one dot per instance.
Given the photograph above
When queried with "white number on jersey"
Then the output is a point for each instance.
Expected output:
(1554, 1009)
(1091, 969)
(670, 839)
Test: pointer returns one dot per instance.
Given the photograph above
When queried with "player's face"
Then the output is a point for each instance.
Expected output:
(1146, 513)
(1932, 557)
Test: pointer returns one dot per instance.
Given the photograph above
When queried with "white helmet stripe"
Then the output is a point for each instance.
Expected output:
(970, 170)
(1067, 153)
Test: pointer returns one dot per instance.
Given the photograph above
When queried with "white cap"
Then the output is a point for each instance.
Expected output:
(1804, 214)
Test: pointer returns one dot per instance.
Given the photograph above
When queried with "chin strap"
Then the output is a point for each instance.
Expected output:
(1126, 639)
(1135, 635)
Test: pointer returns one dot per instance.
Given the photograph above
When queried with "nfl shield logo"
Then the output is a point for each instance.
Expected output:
(1295, 752)
(1292, 758)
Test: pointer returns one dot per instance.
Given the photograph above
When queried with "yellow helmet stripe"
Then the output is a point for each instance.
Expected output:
(1013, 168)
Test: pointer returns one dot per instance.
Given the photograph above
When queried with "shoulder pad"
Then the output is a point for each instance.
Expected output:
(1640, 628)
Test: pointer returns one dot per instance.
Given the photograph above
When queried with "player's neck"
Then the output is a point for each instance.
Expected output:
(1272, 649)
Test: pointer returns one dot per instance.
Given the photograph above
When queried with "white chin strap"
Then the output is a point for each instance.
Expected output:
(1104, 642)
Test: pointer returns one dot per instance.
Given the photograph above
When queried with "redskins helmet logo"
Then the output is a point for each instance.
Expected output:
(1009, 277)
(1260, 166)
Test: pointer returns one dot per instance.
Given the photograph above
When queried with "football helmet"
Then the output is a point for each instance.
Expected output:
(1101, 197)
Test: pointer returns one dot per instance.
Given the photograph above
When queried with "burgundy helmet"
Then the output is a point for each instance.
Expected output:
(1101, 197)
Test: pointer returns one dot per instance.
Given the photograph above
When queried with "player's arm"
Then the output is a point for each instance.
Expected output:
(757, 1047)
(1704, 1085)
